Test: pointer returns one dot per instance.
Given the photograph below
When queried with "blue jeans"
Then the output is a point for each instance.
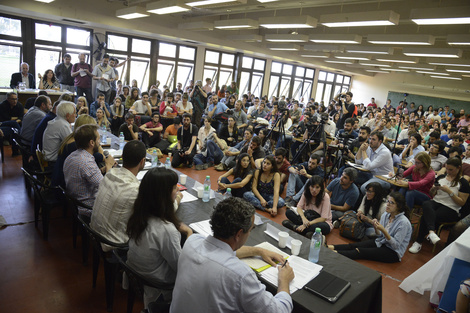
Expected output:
(236, 192)
(213, 154)
(414, 197)
(281, 142)
(295, 182)
(228, 160)
(250, 197)
(365, 178)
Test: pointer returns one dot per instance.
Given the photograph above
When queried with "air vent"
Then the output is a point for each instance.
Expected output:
(72, 21)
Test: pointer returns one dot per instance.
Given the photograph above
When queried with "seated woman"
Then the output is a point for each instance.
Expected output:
(184, 106)
(48, 81)
(413, 148)
(314, 210)
(117, 111)
(229, 132)
(133, 97)
(124, 94)
(242, 174)
(168, 106)
(155, 232)
(82, 106)
(416, 190)
(450, 194)
(394, 233)
(266, 143)
(264, 194)
(204, 134)
(154, 100)
(372, 207)
(101, 119)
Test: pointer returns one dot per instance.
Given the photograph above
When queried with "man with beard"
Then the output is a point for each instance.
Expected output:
(186, 147)
(63, 72)
(105, 76)
(82, 174)
(82, 74)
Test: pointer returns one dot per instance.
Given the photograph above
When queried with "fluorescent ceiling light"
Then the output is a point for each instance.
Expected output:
(395, 70)
(378, 71)
(463, 63)
(302, 21)
(433, 73)
(441, 16)
(352, 57)
(233, 24)
(465, 75)
(264, 1)
(457, 71)
(372, 63)
(285, 38)
(385, 39)
(283, 47)
(316, 55)
(398, 60)
(369, 50)
(458, 40)
(445, 77)
(433, 53)
(196, 26)
(417, 67)
(215, 3)
(339, 62)
(131, 12)
(324, 48)
(336, 38)
(246, 38)
(376, 18)
(167, 7)
(45, 1)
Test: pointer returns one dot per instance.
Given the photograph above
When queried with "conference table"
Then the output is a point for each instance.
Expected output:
(24, 95)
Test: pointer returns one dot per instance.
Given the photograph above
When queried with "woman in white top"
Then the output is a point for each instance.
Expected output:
(184, 106)
(155, 231)
(450, 193)
(372, 207)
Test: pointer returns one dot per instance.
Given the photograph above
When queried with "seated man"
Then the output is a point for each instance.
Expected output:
(82, 174)
(228, 161)
(216, 107)
(457, 141)
(452, 131)
(186, 147)
(213, 262)
(100, 104)
(376, 159)
(343, 193)
(142, 107)
(30, 101)
(390, 133)
(41, 128)
(170, 140)
(11, 115)
(437, 159)
(129, 129)
(404, 134)
(57, 129)
(151, 131)
(116, 195)
(283, 166)
(298, 177)
(34, 116)
(239, 115)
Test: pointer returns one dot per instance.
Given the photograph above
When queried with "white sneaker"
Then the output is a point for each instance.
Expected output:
(415, 247)
(434, 238)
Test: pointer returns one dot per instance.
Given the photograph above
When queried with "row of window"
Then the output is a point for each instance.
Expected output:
(175, 63)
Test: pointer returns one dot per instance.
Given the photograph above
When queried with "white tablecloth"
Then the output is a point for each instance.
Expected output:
(433, 275)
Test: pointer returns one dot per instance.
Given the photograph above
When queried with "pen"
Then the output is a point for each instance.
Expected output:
(285, 262)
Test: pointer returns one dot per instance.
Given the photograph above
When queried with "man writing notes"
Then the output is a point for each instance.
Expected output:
(211, 277)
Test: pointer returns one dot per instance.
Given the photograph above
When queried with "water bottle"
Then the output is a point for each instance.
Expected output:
(315, 246)
(103, 136)
(206, 196)
(228, 193)
(168, 163)
(154, 160)
(121, 141)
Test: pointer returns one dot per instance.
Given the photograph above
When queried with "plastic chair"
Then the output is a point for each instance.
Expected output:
(111, 264)
(137, 283)
(45, 198)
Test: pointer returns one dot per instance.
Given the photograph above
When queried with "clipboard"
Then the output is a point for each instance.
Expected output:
(327, 286)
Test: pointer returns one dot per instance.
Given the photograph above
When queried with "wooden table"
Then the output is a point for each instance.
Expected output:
(391, 181)
(28, 93)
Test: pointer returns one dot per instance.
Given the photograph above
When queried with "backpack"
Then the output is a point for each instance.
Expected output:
(351, 227)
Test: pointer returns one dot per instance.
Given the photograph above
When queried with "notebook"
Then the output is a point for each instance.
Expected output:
(327, 286)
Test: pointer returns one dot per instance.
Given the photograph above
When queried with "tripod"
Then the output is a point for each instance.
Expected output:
(399, 123)
(279, 123)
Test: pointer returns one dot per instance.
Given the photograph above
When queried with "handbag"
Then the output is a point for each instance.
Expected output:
(351, 227)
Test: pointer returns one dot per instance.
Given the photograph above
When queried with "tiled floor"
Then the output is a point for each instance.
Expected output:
(39, 276)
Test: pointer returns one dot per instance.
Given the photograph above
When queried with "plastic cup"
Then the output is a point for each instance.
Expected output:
(295, 246)
(283, 239)
(108, 141)
(200, 192)
(183, 179)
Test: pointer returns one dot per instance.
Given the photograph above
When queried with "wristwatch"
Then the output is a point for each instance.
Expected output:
(451, 194)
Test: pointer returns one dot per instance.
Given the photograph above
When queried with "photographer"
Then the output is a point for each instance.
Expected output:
(186, 147)
(350, 150)
(198, 99)
(311, 125)
(347, 107)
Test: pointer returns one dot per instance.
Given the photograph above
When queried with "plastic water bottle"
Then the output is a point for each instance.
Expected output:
(228, 193)
(206, 196)
(154, 160)
(168, 163)
(104, 136)
(315, 246)
(121, 141)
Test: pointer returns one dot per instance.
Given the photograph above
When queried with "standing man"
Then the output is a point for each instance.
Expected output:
(81, 72)
(186, 147)
(63, 72)
(226, 284)
(207, 87)
(23, 76)
(105, 75)
(347, 107)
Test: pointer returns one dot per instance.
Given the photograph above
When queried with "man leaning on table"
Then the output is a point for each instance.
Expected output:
(211, 277)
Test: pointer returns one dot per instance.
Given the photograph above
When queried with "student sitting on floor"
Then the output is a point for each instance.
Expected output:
(242, 175)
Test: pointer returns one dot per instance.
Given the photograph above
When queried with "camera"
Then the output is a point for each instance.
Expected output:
(437, 184)
(230, 112)
(343, 96)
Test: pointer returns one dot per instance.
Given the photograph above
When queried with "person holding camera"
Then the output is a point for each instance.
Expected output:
(347, 106)
(350, 150)
(186, 147)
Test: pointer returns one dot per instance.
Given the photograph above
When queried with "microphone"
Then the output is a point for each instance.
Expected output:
(106, 154)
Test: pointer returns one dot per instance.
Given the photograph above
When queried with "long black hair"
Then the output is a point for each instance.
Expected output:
(314, 180)
(376, 201)
(153, 200)
(238, 170)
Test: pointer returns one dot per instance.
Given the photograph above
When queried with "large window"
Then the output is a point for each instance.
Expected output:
(10, 48)
(330, 84)
(219, 66)
(252, 76)
(291, 81)
(175, 65)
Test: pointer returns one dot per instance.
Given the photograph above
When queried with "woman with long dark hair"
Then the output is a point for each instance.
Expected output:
(394, 233)
(413, 148)
(155, 231)
(242, 174)
(314, 210)
(48, 81)
(372, 207)
(450, 193)
(420, 111)
(132, 97)
(229, 132)
(264, 194)
(117, 110)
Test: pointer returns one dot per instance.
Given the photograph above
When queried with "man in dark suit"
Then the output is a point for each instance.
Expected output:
(23, 76)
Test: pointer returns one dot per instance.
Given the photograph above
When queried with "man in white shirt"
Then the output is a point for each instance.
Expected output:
(116, 195)
(376, 159)
(211, 277)
(105, 75)
(142, 107)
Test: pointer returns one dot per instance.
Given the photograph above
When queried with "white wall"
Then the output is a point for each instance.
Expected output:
(365, 87)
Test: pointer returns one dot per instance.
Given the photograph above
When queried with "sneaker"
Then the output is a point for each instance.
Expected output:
(415, 247)
(291, 203)
(336, 224)
(199, 167)
(219, 167)
(434, 238)
(210, 164)
(205, 166)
